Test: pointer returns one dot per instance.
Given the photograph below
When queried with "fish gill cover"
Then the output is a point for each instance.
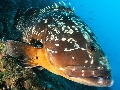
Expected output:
(47, 29)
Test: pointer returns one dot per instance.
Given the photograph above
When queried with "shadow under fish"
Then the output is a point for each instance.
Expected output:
(59, 41)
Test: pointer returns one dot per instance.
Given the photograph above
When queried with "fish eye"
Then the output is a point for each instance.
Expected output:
(91, 49)
(36, 43)
(39, 44)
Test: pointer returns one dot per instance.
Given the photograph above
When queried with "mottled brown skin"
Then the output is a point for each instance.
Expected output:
(69, 48)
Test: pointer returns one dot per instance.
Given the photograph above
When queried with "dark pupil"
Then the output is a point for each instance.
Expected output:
(92, 48)
(36, 43)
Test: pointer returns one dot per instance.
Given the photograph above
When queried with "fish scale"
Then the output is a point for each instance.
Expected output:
(59, 41)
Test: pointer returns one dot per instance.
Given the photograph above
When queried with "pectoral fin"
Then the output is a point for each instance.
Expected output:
(26, 54)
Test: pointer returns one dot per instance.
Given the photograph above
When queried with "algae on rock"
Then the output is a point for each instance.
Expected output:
(15, 77)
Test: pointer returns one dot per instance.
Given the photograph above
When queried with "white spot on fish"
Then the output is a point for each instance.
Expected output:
(83, 49)
(63, 39)
(48, 49)
(45, 20)
(86, 61)
(87, 36)
(56, 44)
(73, 69)
(56, 5)
(77, 46)
(100, 80)
(83, 74)
(93, 72)
(82, 71)
(88, 29)
(61, 68)
(68, 49)
(70, 31)
(73, 57)
(56, 30)
(92, 61)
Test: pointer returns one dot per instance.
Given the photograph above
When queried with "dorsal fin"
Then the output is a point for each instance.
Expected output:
(61, 6)
(31, 12)
(18, 16)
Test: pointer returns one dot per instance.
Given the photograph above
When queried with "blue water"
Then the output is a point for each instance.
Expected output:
(103, 16)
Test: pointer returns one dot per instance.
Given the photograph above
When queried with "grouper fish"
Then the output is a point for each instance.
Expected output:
(56, 39)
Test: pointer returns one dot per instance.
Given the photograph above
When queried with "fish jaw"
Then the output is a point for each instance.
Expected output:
(98, 78)
(85, 75)
(97, 82)
(81, 65)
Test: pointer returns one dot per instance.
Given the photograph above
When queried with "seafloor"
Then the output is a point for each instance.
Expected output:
(12, 75)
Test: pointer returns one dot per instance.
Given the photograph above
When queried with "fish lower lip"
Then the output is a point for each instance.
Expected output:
(96, 81)
(92, 77)
(74, 71)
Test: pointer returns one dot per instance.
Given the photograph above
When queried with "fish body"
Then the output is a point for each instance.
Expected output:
(58, 40)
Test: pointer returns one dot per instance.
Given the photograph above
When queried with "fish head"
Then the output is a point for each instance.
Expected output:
(73, 49)
(81, 61)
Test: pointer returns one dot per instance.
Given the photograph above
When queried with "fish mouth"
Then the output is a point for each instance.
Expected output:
(91, 77)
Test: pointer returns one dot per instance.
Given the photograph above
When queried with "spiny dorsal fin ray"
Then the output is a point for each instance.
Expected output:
(58, 6)
(31, 12)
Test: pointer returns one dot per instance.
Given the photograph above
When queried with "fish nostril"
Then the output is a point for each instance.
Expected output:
(101, 55)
